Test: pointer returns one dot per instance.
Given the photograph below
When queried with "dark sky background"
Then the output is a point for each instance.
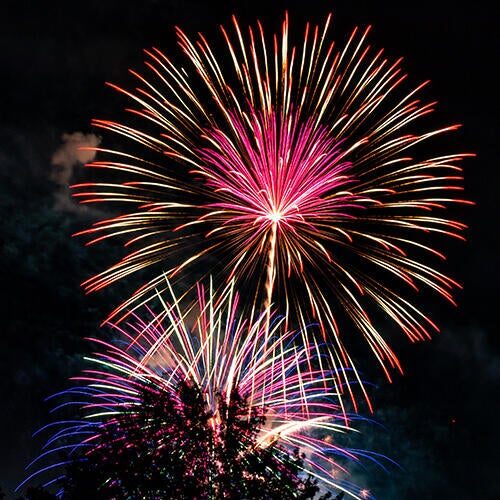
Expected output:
(441, 418)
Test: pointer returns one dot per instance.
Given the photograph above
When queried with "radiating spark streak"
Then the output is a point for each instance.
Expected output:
(271, 266)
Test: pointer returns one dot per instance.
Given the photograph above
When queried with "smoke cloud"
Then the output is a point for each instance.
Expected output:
(75, 151)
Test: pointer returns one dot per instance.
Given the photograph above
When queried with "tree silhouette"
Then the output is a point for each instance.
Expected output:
(171, 446)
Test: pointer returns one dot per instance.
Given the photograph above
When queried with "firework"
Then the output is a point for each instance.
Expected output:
(218, 351)
(300, 171)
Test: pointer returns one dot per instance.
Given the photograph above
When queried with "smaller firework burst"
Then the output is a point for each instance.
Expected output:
(224, 358)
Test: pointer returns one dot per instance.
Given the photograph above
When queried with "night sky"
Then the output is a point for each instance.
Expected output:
(439, 421)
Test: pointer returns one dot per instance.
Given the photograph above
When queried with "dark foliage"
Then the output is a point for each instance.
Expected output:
(174, 447)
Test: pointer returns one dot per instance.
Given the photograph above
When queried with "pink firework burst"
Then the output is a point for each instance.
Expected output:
(284, 186)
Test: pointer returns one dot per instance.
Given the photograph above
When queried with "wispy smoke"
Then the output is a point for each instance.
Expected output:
(76, 150)
(473, 346)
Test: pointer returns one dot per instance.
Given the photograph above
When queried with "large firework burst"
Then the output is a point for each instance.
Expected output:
(215, 350)
(297, 168)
